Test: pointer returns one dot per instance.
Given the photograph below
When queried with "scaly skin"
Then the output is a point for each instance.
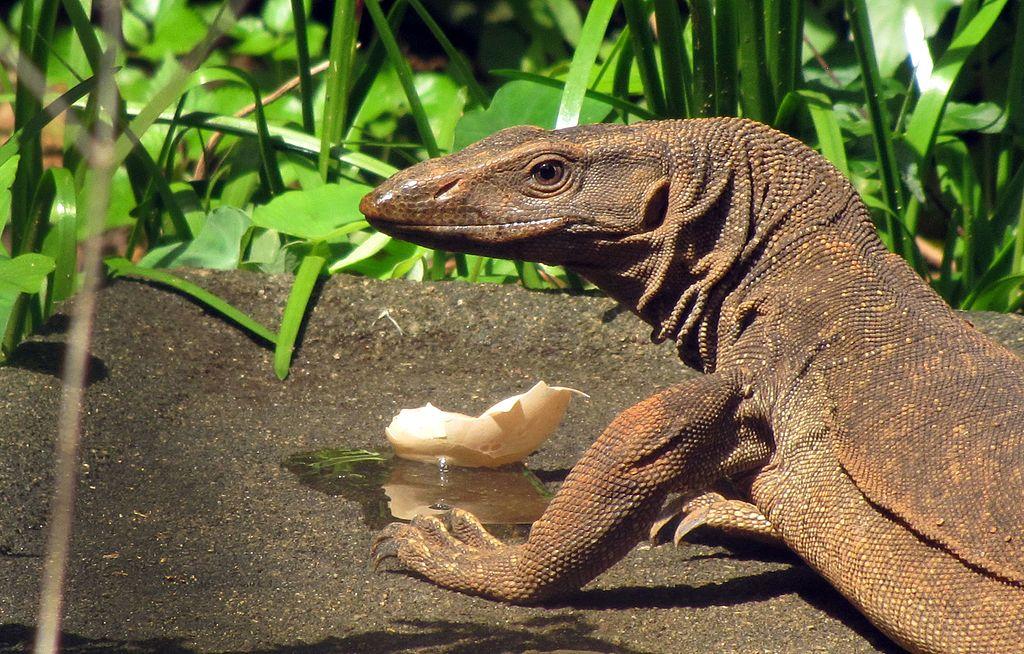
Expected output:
(880, 434)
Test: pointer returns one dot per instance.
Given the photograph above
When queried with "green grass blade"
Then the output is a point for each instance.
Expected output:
(624, 106)
(269, 168)
(643, 49)
(86, 35)
(924, 124)
(344, 30)
(120, 267)
(44, 117)
(784, 34)
(611, 61)
(140, 158)
(826, 127)
(283, 138)
(926, 120)
(1018, 241)
(460, 67)
(368, 67)
(404, 72)
(726, 65)
(61, 241)
(37, 25)
(305, 78)
(594, 27)
(528, 275)
(675, 67)
(967, 11)
(702, 21)
(755, 90)
(295, 311)
(1009, 209)
(623, 67)
(1015, 86)
(881, 131)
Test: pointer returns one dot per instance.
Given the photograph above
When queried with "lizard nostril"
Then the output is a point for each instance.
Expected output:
(444, 188)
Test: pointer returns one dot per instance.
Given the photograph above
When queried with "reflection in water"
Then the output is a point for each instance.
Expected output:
(387, 488)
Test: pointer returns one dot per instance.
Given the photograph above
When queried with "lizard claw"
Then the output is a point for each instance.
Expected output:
(695, 518)
(672, 510)
(448, 552)
(734, 517)
(692, 509)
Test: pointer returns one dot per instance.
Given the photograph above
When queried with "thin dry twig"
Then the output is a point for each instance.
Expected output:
(200, 169)
(100, 153)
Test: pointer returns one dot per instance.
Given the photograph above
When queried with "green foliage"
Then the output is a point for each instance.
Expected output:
(234, 150)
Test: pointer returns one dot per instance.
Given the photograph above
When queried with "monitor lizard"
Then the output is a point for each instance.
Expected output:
(872, 429)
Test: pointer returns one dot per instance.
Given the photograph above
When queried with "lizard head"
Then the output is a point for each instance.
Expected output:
(529, 193)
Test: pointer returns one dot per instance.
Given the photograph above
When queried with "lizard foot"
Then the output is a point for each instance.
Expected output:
(733, 517)
(455, 552)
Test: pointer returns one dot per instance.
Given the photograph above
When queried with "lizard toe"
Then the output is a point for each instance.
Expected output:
(433, 531)
(691, 511)
(470, 531)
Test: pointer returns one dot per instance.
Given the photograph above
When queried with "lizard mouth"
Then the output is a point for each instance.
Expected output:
(451, 236)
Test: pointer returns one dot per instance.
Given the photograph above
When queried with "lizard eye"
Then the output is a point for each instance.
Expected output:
(548, 175)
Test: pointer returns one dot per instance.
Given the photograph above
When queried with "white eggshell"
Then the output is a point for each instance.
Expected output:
(505, 433)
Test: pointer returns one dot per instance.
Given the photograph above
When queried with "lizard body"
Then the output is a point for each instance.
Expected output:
(878, 433)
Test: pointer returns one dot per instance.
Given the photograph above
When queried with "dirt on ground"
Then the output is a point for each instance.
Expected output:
(190, 536)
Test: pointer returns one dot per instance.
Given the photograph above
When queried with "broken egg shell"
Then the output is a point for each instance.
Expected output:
(506, 433)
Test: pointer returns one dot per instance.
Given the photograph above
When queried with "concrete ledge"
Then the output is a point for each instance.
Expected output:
(190, 536)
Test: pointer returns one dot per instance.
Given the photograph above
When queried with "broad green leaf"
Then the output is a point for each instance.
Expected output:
(216, 246)
(289, 51)
(254, 38)
(394, 259)
(371, 246)
(925, 121)
(7, 171)
(443, 100)
(25, 273)
(984, 117)
(177, 28)
(889, 20)
(624, 106)
(312, 214)
(566, 15)
(7, 299)
(998, 296)
(264, 252)
(819, 35)
(134, 29)
(521, 102)
(277, 14)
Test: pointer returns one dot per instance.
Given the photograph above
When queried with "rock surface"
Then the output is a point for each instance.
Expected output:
(191, 536)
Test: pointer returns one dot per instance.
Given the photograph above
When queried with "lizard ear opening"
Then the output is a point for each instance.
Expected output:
(656, 208)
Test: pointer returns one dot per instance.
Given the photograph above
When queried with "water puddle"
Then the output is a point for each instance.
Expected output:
(389, 488)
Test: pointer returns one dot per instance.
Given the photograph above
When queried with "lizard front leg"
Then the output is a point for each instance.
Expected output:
(683, 437)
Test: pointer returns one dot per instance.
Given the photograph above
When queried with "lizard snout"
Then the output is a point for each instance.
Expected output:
(404, 198)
